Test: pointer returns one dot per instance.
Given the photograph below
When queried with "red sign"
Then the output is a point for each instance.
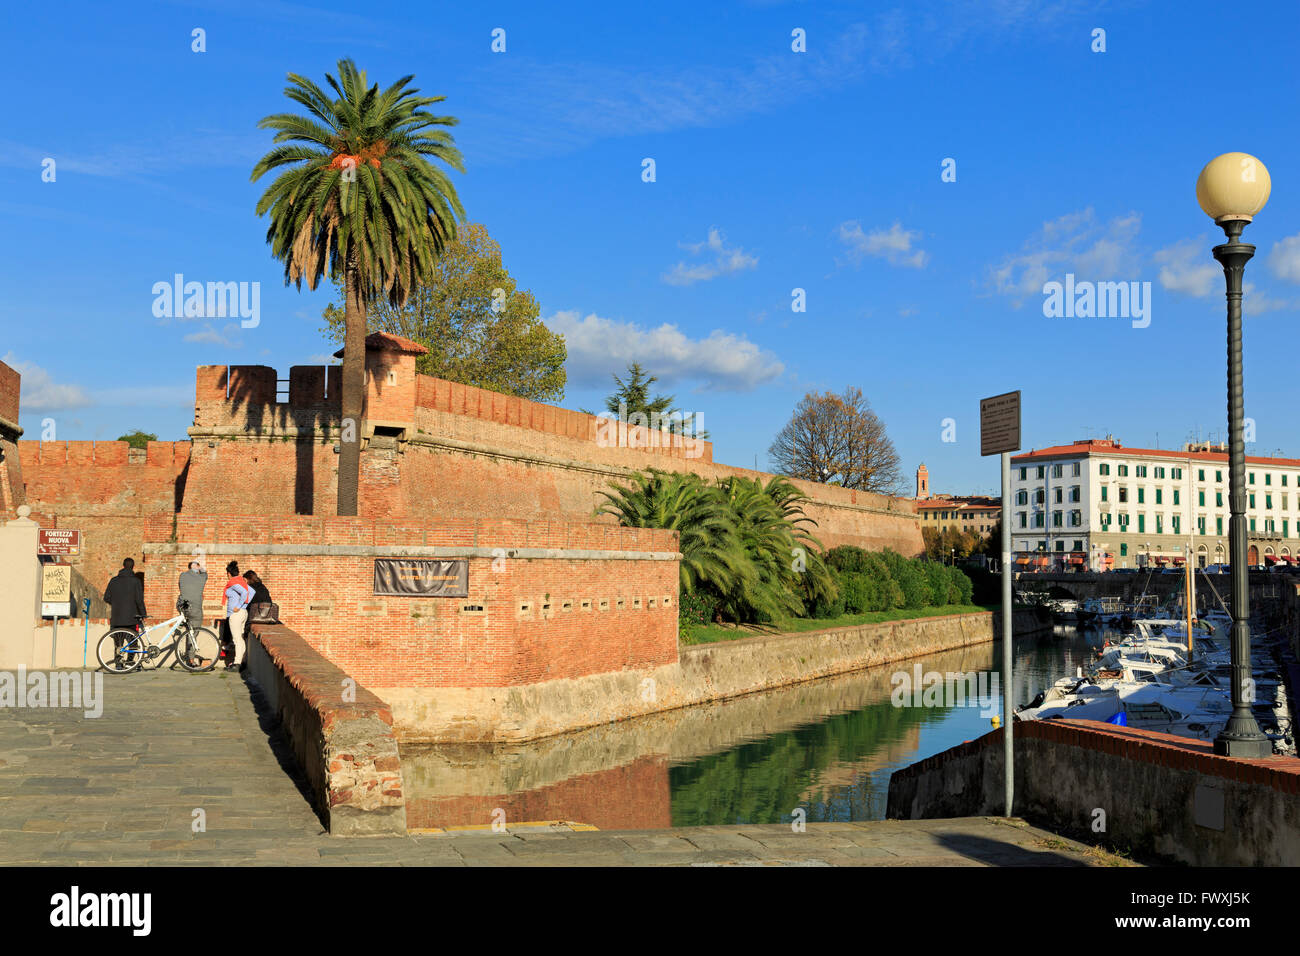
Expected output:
(58, 541)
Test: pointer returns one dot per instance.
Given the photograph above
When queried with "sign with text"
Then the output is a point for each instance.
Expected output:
(421, 577)
(1000, 424)
(58, 541)
(56, 590)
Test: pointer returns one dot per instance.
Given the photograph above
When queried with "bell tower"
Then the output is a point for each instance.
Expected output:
(922, 482)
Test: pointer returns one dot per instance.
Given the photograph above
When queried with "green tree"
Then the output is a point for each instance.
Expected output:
(360, 201)
(632, 397)
(138, 439)
(479, 328)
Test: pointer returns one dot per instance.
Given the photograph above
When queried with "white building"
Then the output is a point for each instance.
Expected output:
(1097, 504)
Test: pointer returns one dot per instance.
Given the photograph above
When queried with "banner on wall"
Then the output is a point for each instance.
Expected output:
(420, 577)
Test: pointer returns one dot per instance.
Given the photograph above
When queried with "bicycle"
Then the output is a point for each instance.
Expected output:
(198, 653)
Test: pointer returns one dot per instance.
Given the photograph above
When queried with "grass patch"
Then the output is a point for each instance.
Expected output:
(714, 633)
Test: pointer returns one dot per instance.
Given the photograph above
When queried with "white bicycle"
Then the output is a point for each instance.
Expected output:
(123, 650)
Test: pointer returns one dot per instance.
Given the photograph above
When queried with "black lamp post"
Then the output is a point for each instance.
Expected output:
(1231, 189)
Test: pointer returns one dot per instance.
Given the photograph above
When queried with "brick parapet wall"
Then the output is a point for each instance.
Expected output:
(106, 489)
(341, 734)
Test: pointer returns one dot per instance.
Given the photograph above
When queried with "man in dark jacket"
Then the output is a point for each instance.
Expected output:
(125, 597)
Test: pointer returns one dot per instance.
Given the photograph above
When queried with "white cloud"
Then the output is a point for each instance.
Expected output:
(725, 261)
(38, 392)
(210, 336)
(893, 244)
(1075, 243)
(599, 347)
(1284, 259)
(1183, 268)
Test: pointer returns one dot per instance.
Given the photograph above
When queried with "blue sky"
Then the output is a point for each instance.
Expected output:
(775, 170)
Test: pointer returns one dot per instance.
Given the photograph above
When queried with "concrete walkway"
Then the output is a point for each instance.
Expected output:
(178, 769)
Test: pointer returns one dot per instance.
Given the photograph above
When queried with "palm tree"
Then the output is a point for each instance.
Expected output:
(361, 201)
(712, 559)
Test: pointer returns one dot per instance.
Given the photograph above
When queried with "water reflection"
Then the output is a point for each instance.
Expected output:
(826, 746)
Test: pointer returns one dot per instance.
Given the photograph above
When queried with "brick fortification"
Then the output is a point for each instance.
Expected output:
(11, 472)
(433, 451)
(438, 449)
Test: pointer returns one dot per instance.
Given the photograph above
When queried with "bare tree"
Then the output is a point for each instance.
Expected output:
(837, 439)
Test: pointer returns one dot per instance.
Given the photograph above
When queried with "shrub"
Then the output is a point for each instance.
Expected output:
(861, 593)
(963, 585)
(940, 583)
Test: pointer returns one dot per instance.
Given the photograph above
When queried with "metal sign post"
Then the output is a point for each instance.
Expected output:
(1000, 435)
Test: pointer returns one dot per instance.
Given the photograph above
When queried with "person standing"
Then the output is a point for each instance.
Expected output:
(237, 596)
(190, 601)
(125, 598)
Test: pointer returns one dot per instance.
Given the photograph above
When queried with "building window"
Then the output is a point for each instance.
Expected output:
(1078, 545)
(1252, 479)
(1218, 477)
(1200, 498)
(1038, 520)
(1175, 496)
(1074, 493)
(1056, 471)
(1218, 526)
(1142, 523)
(1284, 533)
(1139, 471)
(1177, 523)
(1103, 469)
(1123, 471)
(1160, 524)
(1123, 519)
(1142, 495)
(1038, 472)
(1104, 489)
(1060, 545)
(1268, 502)
(1218, 499)
(1076, 518)
(1159, 496)
(1074, 470)
(1123, 494)
(1022, 497)
(1252, 499)
(1252, 524)
(1059, 493)
(1123, 549)
(1022, 520)
(1200, 474)
(1200, 525)
(1056, 519)
(1177, 473)
(1268, 479)
(1023, 473)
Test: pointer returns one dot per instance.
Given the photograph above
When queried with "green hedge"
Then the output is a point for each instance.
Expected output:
(884, 581)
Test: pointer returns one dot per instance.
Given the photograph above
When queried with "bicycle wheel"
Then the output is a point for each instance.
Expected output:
(128, 658)
(198, 650)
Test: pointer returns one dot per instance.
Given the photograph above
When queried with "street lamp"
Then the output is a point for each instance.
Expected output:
(1231, 189)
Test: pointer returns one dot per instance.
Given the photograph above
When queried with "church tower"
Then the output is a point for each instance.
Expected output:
(922, 482)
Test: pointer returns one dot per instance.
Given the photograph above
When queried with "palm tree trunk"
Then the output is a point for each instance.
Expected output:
(354, 394)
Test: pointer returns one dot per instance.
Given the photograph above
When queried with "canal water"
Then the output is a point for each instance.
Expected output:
(825, 749)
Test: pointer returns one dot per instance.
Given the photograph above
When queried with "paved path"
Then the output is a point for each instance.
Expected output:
(124, 789)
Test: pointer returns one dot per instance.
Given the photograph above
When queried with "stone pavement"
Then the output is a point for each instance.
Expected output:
(173, 751)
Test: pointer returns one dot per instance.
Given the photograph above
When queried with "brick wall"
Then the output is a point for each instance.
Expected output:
(467, 452)
(604, 614)
(106, 489)
(11, 472)
(1164, 795)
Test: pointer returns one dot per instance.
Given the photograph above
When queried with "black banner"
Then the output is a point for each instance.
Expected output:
(420, 577)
